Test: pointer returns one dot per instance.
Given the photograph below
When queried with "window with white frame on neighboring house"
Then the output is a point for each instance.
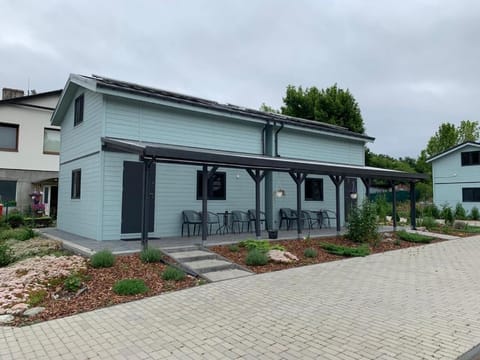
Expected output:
(76, 183)
(471, 194)
(217, 186)
(470, 158)
(78, 113)
(51, 141)
(8, 190)
(313, 189)
(8, 137)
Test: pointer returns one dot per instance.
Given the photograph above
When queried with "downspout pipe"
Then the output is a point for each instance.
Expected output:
(276, 139)
(264, 130)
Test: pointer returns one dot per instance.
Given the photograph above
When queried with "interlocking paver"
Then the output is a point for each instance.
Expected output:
(409, 304)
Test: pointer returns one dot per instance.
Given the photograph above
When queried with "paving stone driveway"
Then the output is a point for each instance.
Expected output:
(415, 303)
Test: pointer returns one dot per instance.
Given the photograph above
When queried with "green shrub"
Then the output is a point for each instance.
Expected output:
(261, 245)
(415, 238)
(256, 257)
(6, 255)
(151, 255)
(362, 250)
(102, 259)
(381, 207)
(20, 234)
(447, 214)
(362, 223)
(173, 273)
(73, 282)
(130, 287)
(234, 248)
(310, 253)
(15, 220)
(431, 210)
(36, 297)
(428, 222)
(460, 212)
(474, 213)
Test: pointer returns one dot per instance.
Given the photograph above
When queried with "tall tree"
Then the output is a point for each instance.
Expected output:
(332, 105)
(448, 135)
(468, 131)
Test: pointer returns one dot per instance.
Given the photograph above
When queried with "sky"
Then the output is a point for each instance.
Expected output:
(411, 65)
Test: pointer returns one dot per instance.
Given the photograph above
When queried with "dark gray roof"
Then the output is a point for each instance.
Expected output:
(23, 100)
(199, 156)
(124, 86)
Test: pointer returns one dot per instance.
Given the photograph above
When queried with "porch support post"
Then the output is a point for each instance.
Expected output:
(367, 182)
(337, 181)
(145, 201)
(298, 177)
(394, 206)
(413, 208)
(257, 176)
(204, 203)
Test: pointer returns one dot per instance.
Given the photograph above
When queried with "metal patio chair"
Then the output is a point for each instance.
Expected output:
(191, 217)
(288, 215)
(326, 216)
(310, 218)
(251, 215)
(212, 220)
(240, 218)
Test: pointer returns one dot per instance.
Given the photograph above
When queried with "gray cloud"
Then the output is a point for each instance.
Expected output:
(411, 65)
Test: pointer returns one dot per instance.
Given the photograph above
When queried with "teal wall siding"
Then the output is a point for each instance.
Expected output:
(80, 216)
(303, 145)
(449, 177)
(84, 138)
(157, 123)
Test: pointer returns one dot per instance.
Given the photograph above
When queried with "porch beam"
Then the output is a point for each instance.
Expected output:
(205, 176)
(299, 178)
(337, 181)
(394, 205)
(368, 183)
(257, 176)
(413, 207)
(147, 163)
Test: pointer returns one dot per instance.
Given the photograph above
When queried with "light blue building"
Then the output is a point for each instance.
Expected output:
(117, 136)
(456, 176)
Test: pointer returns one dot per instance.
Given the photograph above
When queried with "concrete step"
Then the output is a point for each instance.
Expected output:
(192, 255)
(225, 274)
(209, 265)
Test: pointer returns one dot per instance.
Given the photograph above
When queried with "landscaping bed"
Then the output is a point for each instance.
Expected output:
(238, 254)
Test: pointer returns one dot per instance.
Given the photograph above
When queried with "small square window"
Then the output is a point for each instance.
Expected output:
(470, 158)
(471, 194)
(76, 183)
(217, 186)
(78, 116)
(8, 190)
(51, 141)
(313, 189)
(8, 137)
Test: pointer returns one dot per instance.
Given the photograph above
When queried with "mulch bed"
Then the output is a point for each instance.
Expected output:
(297, 247)
(99, 293)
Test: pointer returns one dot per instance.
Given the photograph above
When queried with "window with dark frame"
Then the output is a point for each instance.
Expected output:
(8, 137)
(8, 190)
(470, 158)
(78, 116)
(471, 194)
(313, 189)
(76, 183)
(51, 141)
(217, 186)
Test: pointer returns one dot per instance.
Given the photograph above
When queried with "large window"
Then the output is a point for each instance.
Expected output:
(78, 116)
(51, 141)
(471, 194)
(8, 137)
(470, 158)
(217, 186)
(313, 189)
(8, 190)
(76, 183)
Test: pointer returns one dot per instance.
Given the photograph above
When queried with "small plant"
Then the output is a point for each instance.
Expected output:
(20, 234)
(362, 223)
(474, 213)
(256, 257)
(447, 214)
(397, 242)
(15, 220)
(6, 255)
(428, 222)
(262, 245)
(151, 255)
(431, 211)
(362, 250)
(130, 287)
(73, 282)
(233, 248)
(310, 253)
(381, 207)
(36, 297)
(173, 273)
(102, 259)
(460, 212)
(415, 238)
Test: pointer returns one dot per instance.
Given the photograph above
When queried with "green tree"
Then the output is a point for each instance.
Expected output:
(468, 131)
(444, 138)
(266, 108)
(332, 105)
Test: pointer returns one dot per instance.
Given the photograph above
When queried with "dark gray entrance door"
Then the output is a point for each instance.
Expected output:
(350, 195)
(132, 197)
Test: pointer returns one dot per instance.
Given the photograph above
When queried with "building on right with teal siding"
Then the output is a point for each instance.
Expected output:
(456, 176)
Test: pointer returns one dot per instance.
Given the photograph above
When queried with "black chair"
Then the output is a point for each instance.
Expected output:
(288, 215)
(240, 218)
(251, 215)
(212, 219)
(310, 218)
(191, 217)
(326, 216)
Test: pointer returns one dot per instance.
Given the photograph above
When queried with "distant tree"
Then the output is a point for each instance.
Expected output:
(332, 105)
(264, 107)
(468, 131)
(448, 136)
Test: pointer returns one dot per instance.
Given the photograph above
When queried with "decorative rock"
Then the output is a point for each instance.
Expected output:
(421, 228)
(387, 235)
(5, 319)
(17, 309)
(281, 256)
(33, 311)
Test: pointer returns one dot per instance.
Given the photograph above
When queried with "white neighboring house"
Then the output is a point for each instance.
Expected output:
(456, 176)
(29, 148)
